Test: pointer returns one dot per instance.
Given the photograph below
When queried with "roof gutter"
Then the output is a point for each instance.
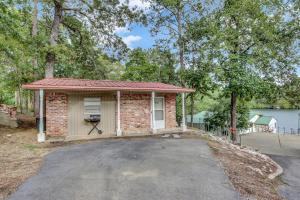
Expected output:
(79, 88)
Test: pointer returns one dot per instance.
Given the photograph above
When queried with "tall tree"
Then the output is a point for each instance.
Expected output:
(167, 16)
(80, 52)
(251, 47)
(15, 51)
(99, 17)
(150, 65)
(198, 77)
(57, 19)
(34, 33)
(139, 67)
(166, 64)
(170, 20)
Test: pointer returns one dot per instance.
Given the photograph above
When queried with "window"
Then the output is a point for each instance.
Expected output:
(159, 115)
(92, 106)
(159, 108)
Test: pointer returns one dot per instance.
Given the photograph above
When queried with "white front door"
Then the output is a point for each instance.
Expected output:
(159, 112)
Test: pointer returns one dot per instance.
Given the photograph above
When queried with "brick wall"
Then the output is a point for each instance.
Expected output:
(170, 101)
(135, 112)
(56, 114)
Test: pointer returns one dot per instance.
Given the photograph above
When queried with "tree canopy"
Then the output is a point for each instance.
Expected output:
(230, 51)
(249, 45)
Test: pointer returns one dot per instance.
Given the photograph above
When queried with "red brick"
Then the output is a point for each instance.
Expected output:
(136, 112)
(56, 114)
(170, 101)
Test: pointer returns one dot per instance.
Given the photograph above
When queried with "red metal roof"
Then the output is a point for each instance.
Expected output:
(102, 85)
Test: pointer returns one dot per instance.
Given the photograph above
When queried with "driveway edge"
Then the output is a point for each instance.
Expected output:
(272, 176)
(278, 172)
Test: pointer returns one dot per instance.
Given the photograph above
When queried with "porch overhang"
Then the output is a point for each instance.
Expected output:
(66, 84)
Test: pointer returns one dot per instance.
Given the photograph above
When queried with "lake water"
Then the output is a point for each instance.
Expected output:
(287, 118)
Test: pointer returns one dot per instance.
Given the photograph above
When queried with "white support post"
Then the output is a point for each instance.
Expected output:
(41, 135)
(154, 130)
(183, 125)
(119, 131)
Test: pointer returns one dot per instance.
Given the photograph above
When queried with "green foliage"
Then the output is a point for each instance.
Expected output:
(203, 102)
(291, 92)
(221, 114)
(78, 53)
(139, 68)
(150, 65)
(288, 96)
(15, 49)
(171, 18)
(6, 97)
(246, 47)
(250, 46)
(199, 79)
(166, 63)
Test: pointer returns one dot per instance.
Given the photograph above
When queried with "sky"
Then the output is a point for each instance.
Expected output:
(136, 36)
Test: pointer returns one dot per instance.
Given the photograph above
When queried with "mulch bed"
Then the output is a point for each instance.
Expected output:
(20, 157)
(20, 154)
(248, 171)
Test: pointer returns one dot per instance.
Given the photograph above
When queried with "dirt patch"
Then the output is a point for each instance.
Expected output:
(248, 171)
(26, 121)
(20, 157)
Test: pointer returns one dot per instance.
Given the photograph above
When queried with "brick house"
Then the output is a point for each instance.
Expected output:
(124, 108)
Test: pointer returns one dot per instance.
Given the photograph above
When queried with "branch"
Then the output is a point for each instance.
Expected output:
(73, 30)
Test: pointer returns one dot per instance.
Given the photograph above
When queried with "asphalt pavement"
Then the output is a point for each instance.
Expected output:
(285, 150)
(131, 169)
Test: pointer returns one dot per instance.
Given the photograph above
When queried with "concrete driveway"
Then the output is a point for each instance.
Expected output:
(141, 169)
(287, 156)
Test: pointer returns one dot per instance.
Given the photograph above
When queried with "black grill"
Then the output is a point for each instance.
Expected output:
(94, 120)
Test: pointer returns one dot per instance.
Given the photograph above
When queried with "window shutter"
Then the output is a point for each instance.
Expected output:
(92, 106)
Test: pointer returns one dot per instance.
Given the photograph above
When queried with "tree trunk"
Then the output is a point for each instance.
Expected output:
(50, 57)
(34, 60)
(34, 18)
(233, 108)
(20, 99)
(17, 100)
(193, 94)
(29, 100)
(180, 41)
(192, 110)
